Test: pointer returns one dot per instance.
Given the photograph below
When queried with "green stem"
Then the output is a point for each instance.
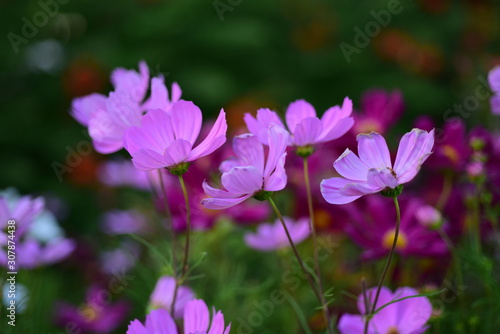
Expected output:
(315, 244)
(387, 265)
(185, 265)
(295, 251)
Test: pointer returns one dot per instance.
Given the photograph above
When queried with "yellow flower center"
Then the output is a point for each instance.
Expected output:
(389, 239)
(322, 219)
(88, 312)
(450, 153)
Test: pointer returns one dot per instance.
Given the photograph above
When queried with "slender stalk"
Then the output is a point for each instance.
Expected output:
(295, 251)
(446, 191)
(387, 264)
(315, 243)
(185, 265)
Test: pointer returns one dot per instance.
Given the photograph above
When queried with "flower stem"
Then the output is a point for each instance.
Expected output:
(315, 243)
(295, 251)
(185, 265)
(387, 265)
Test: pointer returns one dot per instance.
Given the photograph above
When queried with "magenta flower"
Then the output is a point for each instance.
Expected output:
(373, 172)
(248, 173)
(164, 293)
(166, 139)
(159, 98)
(379, 110)
(407, 316)
(303, 124)
(196, 321)
(494, 81)
(270, 237)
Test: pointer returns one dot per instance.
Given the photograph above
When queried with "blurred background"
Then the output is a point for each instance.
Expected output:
(239, 55)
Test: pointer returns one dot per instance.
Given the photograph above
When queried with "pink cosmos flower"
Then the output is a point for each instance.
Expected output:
(249, 173)
(407, 316)
(196, 321)
(494, 81)
(164, 293)
(303, 124)
(166, 139)
(372, 171)
(269, 237)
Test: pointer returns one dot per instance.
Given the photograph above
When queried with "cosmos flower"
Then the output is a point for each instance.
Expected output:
(303, 124)
(270, 237)
(379, 110)
(372, 171)
(407, 316)
(494, 81)
(164, 292)
(117, 222)
(166, 139)
(249, 173)
(369, 225)
(196, 320)
(96, 315)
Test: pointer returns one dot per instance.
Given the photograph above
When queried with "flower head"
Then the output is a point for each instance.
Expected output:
(405, 316)
(196, 321)
(164, 292)
(303, 124)
(166, 139)
(373, 171)
(494, 81)
(249, 173)
(269, 237)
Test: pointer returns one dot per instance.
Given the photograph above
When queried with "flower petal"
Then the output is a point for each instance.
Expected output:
(307, 131)
(160, 322)
(494, 79)
(350, 323)
(249, 151)
(336, 121)
(242, 180)
(135, 327)
(260, 125)
(278, 179)
(159, 95)
(146, 159)
(351, 167)
(83, 107)
(330, 189)
(196, 317)
(177, 151)
(414, 148)
(186, 120)
(217, 325)
(381, 178)
(223, 203)
(215, 139)
(373, 150)
(296, 112)
(278, 140)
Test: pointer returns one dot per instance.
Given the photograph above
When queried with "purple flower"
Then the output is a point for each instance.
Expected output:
(96, 315)
(269, 237)
(164, 293)
(370, 226)
(373, 172)
(303, 124)
(196, 321)
(494, 81)
(124, 222)
(429, 216)
(249, 173)
(166, 139)
(407, 316)
(379, 111)
(159, 98)
(118, 173)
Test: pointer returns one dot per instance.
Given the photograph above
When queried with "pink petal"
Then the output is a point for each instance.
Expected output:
(196, 317)
(223, 203)
(413, 313)
(278, 179)
(186, 120)
(160, 322)
(260, 125)
(494, 79)
(330, 189)
(381, 178)
(336, 121)
(83, 107)
(414, 148)
(296, 112)
(146, 159)
(155, 133)
(350, 324)
(351, 167)
(342, 127)
(217, 326)
(178, 151)
(495, 104)
(159, 96)
(242, 180)
(215, 139)
(249, 151)
(176, 92)
(278, 141)
(373, 150)
(307, 131)
(105, 133)
(216, 193)
(135, 327)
